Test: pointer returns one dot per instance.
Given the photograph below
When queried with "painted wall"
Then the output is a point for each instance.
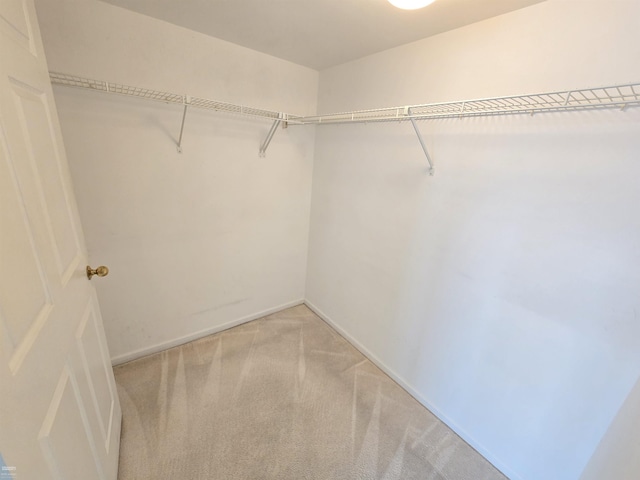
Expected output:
(195, 241)
(501, 292)
(504, 291)
(617, 455)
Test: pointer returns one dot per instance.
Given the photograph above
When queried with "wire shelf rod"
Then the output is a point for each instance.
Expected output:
(615, 96)
(166, 97)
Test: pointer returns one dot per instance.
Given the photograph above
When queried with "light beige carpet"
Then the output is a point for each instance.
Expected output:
(283, 397)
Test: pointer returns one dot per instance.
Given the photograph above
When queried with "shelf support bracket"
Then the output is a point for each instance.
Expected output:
(184, 115)
(421, 140)
(267, 140)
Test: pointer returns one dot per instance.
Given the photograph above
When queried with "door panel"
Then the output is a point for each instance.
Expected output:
(15, 23)
(25, 301)
(38, 132)
(59, 411)
(66, 419)
(97, 370)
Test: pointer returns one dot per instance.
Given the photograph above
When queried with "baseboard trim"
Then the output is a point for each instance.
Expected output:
(496, 462)
(143, 352)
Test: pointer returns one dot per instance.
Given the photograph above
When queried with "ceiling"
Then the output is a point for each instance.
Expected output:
(319, 33)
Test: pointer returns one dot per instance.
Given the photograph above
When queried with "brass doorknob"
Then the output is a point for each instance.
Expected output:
(101, 271)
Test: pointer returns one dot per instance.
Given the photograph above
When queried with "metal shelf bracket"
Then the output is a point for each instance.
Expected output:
(420, 139)
(272, 131)
(184, 116)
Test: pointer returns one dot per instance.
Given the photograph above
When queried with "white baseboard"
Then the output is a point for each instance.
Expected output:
(496, 462)
(143, 352)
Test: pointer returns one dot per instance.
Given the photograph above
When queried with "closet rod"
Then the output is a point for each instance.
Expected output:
(167, 97)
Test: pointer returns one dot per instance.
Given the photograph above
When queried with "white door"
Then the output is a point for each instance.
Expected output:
(59, 410)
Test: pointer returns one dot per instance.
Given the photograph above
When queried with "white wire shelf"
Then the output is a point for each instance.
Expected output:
(165, 97)
(187, 101)
(616, 96)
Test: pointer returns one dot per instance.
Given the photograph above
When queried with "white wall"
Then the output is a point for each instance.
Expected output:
(197, 241)
(501, 292)
(617, 455)
(504, 291)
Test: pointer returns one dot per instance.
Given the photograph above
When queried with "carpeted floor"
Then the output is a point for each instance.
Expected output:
(283, 397)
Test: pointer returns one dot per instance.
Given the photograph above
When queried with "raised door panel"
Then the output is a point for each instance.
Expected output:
(15, 23)
(25, 297)
(67, 419)
(97, 370)
(38, 132)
